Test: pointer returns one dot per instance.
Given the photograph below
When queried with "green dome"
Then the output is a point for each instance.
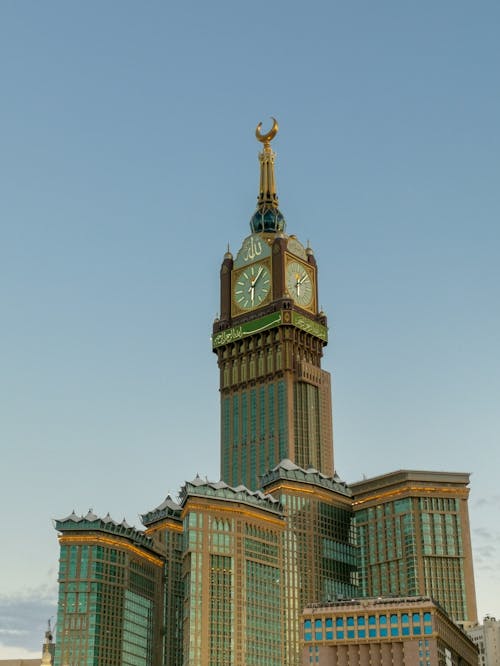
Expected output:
(268, 219)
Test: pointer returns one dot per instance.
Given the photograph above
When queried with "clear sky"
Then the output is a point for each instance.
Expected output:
(127, 163)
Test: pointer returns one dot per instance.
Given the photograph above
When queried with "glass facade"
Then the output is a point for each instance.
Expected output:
(275, 404)
(320, 552)
(414, 545)
(107, 599)
(232, 569)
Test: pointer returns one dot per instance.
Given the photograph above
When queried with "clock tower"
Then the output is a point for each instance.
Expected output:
(269, 339)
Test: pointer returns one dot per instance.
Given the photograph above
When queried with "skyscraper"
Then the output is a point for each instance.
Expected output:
(414, 538)
(269, 339)
(110, 594)
(220, 576)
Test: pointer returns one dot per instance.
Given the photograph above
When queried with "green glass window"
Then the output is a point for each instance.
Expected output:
(236, 420)
(244, 416)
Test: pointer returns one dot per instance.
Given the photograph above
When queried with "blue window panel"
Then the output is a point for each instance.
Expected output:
(405, 631)
(340, 634)
(417, 631)
(307, 624)
(372, 633)
(404, 618)
(361, 621)
(329, 635)
(318, 624)
(383, 619)
(339, 622)
(328, 623)
(427, 618)
(416, 618)
(394, 619)
(350, 622)
(318, 635)
(307, 636)
(383, 631)
(394, 631)
(428, 629)
(361, 633)
(371, 619)
(350, 633)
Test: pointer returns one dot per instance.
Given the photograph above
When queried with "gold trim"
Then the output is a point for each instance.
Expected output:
(411, 489)
(236, 309)
(291, 258)
(164, 524)
(111, 542)
(319, 493)
(244, 512)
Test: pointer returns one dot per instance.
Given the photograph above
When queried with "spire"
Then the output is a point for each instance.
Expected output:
(267, 217)
(46, 657)
(48, 644)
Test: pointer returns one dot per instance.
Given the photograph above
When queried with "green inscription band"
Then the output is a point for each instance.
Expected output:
(267, 322)
(312, 327)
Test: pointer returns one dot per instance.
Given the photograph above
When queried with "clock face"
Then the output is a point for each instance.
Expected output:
(252, 286)
(299, 283)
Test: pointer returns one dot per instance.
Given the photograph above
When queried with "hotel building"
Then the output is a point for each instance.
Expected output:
(220, 576)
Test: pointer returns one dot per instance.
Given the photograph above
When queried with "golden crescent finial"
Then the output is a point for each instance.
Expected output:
(267, 138)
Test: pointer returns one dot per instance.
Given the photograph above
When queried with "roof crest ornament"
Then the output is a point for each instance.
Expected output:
(267, 138)
(267, 218)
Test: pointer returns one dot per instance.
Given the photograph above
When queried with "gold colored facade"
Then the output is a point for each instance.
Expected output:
(225, 602)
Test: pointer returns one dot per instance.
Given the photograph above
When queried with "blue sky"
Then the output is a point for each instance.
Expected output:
(127, 163)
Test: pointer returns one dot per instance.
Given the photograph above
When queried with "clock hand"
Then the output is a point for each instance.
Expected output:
(251, 291)
(258, 275)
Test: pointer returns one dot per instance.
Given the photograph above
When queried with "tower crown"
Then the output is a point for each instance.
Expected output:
(267, 217)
